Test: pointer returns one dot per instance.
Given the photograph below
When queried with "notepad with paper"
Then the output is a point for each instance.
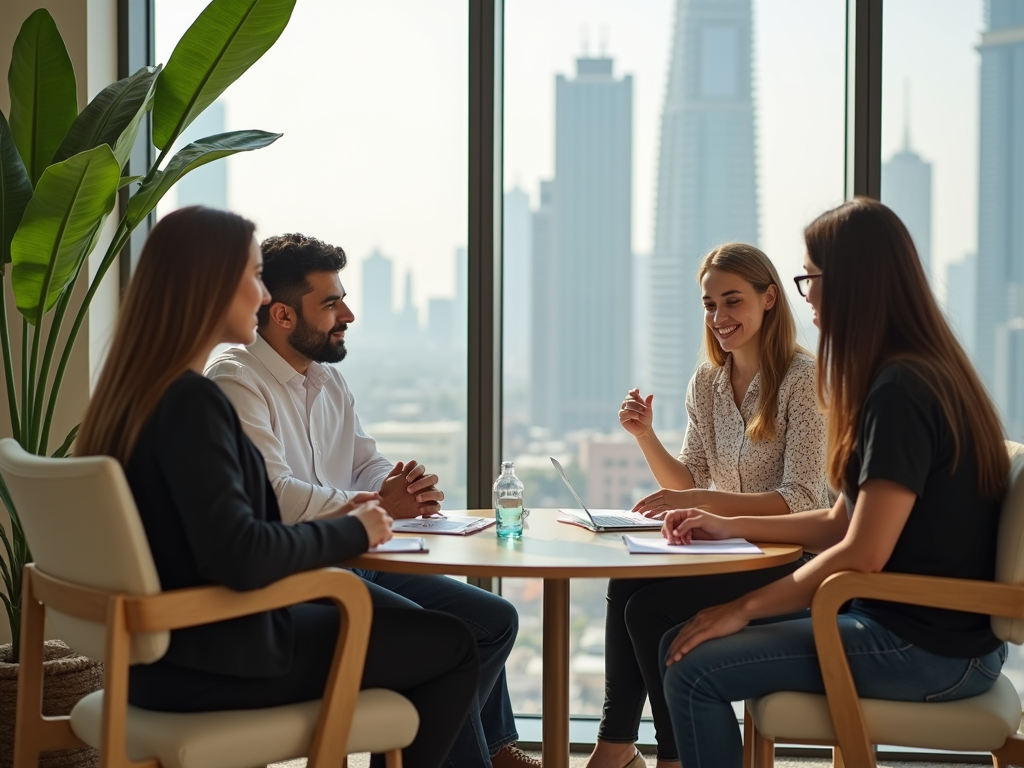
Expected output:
(644, 545)
(401, 544)
(457, 525)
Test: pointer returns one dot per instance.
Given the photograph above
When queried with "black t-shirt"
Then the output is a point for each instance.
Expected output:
(905, 438)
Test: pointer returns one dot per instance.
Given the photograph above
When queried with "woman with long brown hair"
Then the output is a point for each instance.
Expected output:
(211, 517)
(754, 445)
(917, 449)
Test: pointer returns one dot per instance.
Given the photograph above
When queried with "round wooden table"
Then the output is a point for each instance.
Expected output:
(557, 552)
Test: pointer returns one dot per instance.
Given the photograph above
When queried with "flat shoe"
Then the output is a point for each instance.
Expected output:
(637, 761)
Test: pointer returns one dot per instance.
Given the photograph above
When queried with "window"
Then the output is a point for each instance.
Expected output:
(373, 158)
(953, 152)
(634, 141)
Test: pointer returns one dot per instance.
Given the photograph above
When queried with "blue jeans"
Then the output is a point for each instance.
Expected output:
(781, 656)
(494, 624)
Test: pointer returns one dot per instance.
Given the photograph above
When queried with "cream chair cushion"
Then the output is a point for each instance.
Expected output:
(384, 720)
(978, 724)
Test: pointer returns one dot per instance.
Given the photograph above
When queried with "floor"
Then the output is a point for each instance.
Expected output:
(579, 760)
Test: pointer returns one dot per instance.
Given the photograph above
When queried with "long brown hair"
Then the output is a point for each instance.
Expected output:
(877, 307)
(185, 280)
(778, 330)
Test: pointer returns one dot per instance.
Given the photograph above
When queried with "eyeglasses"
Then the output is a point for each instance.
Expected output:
(803, 283)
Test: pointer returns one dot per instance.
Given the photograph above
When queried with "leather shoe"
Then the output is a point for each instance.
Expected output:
(510, 756)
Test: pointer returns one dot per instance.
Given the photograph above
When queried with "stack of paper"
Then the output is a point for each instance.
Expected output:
(641, 545)
(404, 544)
(454, 525)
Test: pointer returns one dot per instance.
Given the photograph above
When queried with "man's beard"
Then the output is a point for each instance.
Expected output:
(317, 345)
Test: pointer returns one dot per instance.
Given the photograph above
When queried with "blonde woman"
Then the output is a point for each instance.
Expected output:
(754, 445)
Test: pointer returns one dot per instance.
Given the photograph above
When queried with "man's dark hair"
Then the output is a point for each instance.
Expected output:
(287, 260)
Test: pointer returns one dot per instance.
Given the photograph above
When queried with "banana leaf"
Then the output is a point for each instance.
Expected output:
(227, 38)
(44, 96)
(60, 227)
(112, 118)
(15, 190)
(188, 159)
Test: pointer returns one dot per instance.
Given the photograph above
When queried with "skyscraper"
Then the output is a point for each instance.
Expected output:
(378, 314)
(907, 189)
(707, 182)
(961, 294)
(516, 316)
(544, 368)
(1000, 270)
(583, 357)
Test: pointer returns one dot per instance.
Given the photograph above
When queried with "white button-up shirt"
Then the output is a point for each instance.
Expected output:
(317, 454)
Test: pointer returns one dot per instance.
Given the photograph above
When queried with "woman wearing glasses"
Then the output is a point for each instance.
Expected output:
(754, 445)
(917, 449)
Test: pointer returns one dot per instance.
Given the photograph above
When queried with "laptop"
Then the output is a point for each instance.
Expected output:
(602, 520)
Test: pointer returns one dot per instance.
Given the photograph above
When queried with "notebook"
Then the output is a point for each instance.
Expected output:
(602, 520)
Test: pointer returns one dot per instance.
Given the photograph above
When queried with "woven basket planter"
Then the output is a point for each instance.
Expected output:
(67, 677)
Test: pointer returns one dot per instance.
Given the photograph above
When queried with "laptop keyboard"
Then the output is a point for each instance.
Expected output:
(618, 520)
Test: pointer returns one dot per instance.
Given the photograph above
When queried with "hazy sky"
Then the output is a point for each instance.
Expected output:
(371, 98)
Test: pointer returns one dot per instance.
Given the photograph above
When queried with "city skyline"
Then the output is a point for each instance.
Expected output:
(707, 183)
(907, 189)
(999, 305)
(580, 359)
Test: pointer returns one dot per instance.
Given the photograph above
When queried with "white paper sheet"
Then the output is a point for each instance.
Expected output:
(650, 545)
(401, 544)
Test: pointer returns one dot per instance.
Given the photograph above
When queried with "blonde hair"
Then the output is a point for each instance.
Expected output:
(876, 308)
(778, 330)
(185, 281)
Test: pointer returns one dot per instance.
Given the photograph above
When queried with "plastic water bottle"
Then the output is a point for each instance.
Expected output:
(508, 503)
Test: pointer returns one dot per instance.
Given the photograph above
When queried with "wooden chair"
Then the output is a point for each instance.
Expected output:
(986, 723)
(93, 577)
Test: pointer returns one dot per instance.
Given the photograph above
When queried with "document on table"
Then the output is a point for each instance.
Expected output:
(642, 545)
(401, 544)
(455, 525)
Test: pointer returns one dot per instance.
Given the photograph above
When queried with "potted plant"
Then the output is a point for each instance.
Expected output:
(61, 172)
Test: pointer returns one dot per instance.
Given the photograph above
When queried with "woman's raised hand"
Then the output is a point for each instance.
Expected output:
(636, 413)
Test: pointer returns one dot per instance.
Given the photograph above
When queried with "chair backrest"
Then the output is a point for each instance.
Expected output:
(1010, 547)
(81, 523)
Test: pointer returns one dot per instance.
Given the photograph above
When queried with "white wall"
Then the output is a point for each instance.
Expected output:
(89, 28)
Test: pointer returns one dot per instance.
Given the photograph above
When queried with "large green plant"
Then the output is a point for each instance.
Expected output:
(60, 173)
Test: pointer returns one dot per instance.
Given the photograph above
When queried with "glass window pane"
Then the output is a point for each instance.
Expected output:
(372, 101)
(638, 136)
(953, 169)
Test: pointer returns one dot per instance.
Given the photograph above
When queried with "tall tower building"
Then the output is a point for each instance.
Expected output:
(1000, 269)
(587, 341)
(207, 184)
(378, 316)
(707, 183)
(544, 368)
(907, 189)
(516, 281)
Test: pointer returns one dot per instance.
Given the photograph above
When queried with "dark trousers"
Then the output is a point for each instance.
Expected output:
(639, 613)
(428, 657)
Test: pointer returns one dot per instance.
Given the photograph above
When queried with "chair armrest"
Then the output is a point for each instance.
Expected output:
(935, 592)
(180, 608)
(969, 595)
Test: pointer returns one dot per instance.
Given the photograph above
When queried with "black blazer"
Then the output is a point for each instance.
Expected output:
(211, 517)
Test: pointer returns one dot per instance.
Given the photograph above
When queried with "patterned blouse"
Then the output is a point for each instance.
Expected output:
(720, 456)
